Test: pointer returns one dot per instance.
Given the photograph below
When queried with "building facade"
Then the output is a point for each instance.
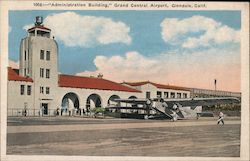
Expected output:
(38, 89)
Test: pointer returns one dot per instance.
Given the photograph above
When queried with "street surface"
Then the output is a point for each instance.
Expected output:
(123, 137)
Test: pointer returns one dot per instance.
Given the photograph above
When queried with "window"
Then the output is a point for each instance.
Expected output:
(41, 89)
(47, 90)
(172, 94)
(41, 72)
(147, 94)
(158, 94)
(178, 95)
(184, 95)
(28, 90)
(42, 54)
(47, 55)
(25, 55)
(47, 73)
(22, 89)
(165, 94)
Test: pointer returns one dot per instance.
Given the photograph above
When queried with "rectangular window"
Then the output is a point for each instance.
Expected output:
(28, 90)
(165, 94)
(178, 95)
(22, 89)
(47, 90)
(172, 95)
(47, 73)
(41, 89)
(184, 95)
(41, 72)
(158, 94)
(47, 55)
(42, 54)
(147, 94)
(25, 55)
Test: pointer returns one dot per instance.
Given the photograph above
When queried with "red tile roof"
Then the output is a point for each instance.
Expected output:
(162, 86)
(92, 83)
(40, 27)
(13, 76)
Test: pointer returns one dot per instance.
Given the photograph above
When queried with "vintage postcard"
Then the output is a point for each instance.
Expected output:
(120, 80)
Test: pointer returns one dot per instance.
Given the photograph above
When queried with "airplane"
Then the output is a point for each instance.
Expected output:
(159, 108)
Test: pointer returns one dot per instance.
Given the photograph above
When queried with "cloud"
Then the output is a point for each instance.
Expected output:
(26, 27)
(10, 29)
(187, 69)
(13, 64)
(86, 31)
(197, 31)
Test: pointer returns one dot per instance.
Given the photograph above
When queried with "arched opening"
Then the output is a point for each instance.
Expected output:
(132, 97)
(111, 101)
(93, 101)
(70, 102)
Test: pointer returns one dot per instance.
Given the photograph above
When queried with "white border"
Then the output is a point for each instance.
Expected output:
(5, 6)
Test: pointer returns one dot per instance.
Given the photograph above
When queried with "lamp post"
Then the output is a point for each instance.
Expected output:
(215, 81)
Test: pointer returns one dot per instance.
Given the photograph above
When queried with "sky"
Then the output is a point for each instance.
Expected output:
(183, 48)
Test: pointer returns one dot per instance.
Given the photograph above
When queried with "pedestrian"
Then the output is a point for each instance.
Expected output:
(221, 118)
(174, 115)
(57, 112)
(25, 112)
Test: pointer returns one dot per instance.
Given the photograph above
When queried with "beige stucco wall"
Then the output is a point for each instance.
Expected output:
(16, 101)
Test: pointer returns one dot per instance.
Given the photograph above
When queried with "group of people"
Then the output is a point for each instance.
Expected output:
(60, 112)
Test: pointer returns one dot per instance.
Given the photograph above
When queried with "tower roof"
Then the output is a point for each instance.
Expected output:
(39, 27)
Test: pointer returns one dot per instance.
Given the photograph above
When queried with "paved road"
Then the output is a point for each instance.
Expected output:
(116, 137)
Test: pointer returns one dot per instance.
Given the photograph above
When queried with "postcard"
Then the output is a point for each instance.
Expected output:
(124, 80)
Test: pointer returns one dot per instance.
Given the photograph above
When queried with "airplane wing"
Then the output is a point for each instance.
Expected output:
(127, 108)
(133, 101)
(202, 101)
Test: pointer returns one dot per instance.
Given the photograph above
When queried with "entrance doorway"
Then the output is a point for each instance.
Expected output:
(45, 108)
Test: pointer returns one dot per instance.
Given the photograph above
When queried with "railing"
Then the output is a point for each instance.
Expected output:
(30, 112)
(50, 113)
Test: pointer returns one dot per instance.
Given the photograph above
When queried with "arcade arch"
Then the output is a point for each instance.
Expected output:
(111, 100)
(93, 101)
(70, 101)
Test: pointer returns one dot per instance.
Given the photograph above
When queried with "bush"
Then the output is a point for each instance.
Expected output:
(98, 110)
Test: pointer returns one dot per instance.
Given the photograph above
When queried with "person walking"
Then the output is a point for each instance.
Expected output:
(221, 118)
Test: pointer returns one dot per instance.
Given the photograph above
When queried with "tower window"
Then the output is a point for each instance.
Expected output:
(22, 88)
(47, 90)
(28, 90)
(41, 72)
(47, 55)
(47, 73)
(42, 54)
(41, 89)
(25, 55)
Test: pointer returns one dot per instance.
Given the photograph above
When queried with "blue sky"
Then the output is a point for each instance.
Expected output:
(143, 37)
